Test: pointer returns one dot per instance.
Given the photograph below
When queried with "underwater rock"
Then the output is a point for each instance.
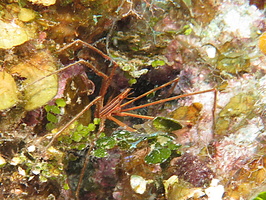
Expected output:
(193, 170)
(176, 189)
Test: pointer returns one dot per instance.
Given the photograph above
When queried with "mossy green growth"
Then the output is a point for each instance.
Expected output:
(133, 67)
(53, 113)
(106, 142)
(162, 145)
(162, 149)
(100, 153)
(158, 155)
(187, 30)
(261, 196)
(234, 65)
(157, 63)
(22, 3)
(65, 2)
(132, 81)
(233, 59)
(60, 102)
(79, 136)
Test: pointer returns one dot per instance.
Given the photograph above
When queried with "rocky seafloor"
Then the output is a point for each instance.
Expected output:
(209, 145)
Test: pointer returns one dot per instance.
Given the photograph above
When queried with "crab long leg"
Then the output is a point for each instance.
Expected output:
(72, 120)
(89, 65)
(170, 99)
(106, 79)
(114, 104)
(114, 65)
(121, 123)
(123, 113)
(80, 42)
(151, 91)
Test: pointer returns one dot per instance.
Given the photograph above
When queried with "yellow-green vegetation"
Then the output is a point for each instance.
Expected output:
(261, 196)
(26, 15)
(166, 124)
(233, 63)
(9, 91)
(39, 86)
(15, 25)
(44, 2)
(241, 106)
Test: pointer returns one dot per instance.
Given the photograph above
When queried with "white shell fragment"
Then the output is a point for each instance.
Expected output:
(31, 148)
(211, 51)
(12, 35)
(21, 171)
(138, 184)
(215, 191)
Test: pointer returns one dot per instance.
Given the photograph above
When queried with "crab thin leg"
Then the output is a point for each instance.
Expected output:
(128, 128)
(105, 113)
(110, 107)
(169, 99)
(72, 120)
(78, 41)
(151, 91)
(106, 82)
(114, 104)
(81, 61)
(123, 113)
(91, 146)
(107, 79)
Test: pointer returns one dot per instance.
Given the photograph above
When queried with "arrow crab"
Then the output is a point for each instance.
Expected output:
(115, 106)
(106, 106)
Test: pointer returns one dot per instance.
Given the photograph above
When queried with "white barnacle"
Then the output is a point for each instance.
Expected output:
(138, 184)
